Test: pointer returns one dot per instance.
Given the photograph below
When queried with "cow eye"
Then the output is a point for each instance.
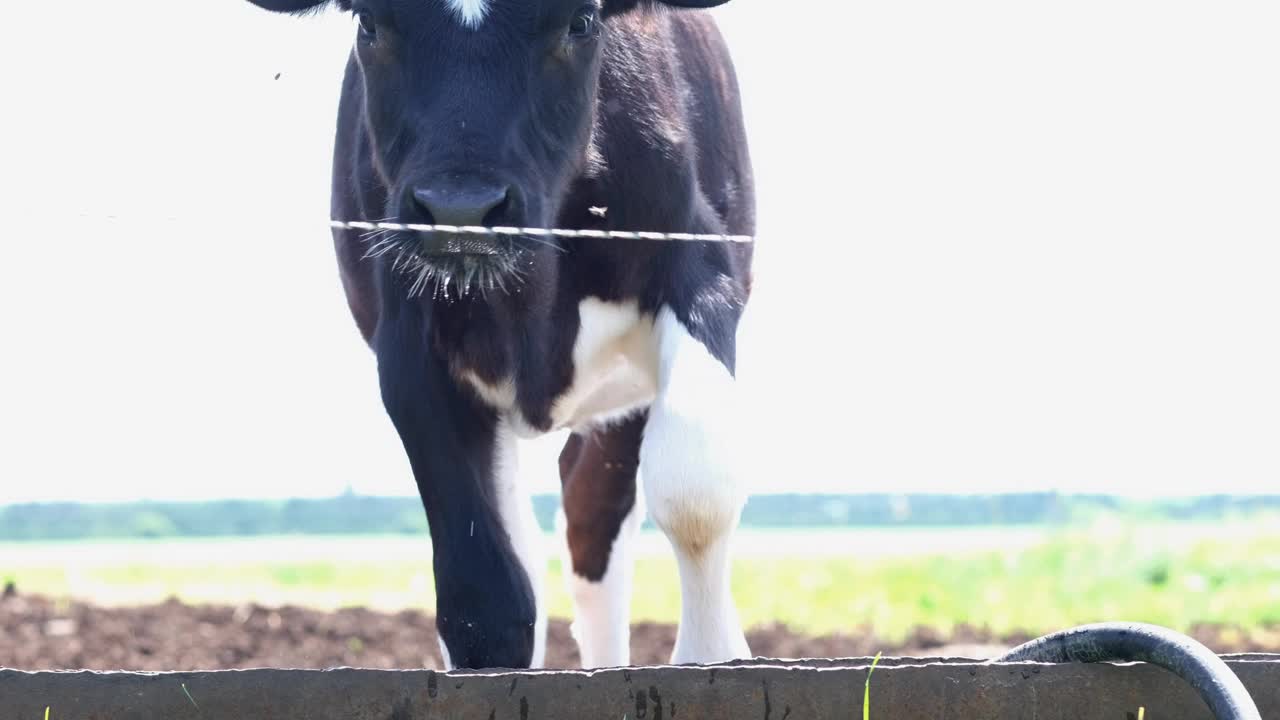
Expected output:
(584, 22)
(367, 25)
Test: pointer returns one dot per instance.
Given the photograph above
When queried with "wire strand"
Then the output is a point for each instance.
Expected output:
(537, 232)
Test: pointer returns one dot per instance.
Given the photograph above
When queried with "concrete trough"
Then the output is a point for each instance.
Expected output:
(901, 689)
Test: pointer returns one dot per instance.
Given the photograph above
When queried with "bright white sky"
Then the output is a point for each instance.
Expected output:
(1004, 246)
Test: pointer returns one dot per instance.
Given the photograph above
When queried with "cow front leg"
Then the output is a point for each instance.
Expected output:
(483, 535)
(693, 488)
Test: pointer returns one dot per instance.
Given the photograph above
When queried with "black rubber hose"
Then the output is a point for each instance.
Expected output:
(1221, 690)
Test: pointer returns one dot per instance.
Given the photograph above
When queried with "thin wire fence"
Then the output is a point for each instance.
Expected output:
(537, 232)
(476, 230)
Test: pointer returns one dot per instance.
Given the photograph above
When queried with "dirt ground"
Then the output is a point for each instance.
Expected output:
(39, 633)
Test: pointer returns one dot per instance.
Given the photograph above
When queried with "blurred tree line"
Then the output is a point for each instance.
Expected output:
(358, 514)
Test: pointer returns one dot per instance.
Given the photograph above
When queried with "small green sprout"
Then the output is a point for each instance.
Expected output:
(866, 692)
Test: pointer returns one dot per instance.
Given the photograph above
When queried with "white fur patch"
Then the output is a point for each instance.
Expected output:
(499, 397)
(694, 490)
(614, 365)
(444, 654)
(515, 506)
(469, 12)
(614, 372)
(602, 610)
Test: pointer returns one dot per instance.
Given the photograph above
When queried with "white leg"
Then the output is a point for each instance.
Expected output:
(515, 505)
(694, 491)
(602, 610)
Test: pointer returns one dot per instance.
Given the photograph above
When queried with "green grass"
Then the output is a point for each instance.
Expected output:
(1170, 575)
(866, 690)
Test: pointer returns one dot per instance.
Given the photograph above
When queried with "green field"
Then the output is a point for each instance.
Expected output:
(819, 581)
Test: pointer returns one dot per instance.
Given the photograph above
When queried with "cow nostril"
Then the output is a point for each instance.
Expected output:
(470, 206)
(497, 212)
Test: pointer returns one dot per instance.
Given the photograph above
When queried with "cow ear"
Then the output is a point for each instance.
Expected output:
(616, 7)
(297, 7)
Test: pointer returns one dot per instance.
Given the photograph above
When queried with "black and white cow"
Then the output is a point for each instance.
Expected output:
(591, 114)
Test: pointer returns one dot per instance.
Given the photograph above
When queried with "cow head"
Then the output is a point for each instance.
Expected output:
(478, 112)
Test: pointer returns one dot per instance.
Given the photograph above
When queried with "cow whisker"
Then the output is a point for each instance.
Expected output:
(380, 248)
(545, 243)
(496, 269)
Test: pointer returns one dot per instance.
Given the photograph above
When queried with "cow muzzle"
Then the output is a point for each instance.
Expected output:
(440, 261)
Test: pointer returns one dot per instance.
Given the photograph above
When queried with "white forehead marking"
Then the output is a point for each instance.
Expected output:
(470, 12)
